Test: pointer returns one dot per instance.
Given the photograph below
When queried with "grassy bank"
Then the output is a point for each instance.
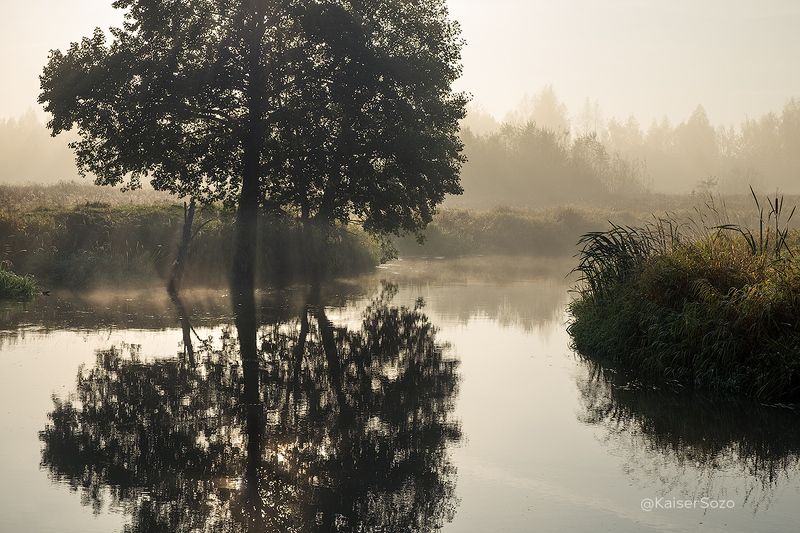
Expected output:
(98, 244)
(704, 305)
(554, 231)
(506, 231)
(24, 198)
(16, 287)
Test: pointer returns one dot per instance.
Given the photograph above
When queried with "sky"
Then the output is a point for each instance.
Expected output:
(647, 58)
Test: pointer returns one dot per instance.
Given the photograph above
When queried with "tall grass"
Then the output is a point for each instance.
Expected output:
(700, 302)
(24, 198)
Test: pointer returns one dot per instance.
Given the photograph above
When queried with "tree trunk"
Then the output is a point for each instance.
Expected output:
(254, 503)
(316, 233)
(176, 277)
(335, 372)
(186, 328)
(293, 391)
(244, 254)
(244, 257)
(243, 279)
(179, 265)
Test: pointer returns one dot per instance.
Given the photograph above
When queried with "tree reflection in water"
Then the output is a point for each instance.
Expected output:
(351, 432)
(693, 445)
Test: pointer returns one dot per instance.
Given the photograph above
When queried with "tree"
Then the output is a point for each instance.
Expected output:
(336, 109)
(139, 115)
(545, 110)
(696, 142)
(478, 121)
(590, 118)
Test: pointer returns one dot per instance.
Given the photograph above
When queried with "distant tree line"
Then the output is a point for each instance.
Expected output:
(540, 154)
(695, 155)
(528, 165)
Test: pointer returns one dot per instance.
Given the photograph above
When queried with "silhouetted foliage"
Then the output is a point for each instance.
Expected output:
(353, 436)
(372, 124)
(348, 105)
(286, 105)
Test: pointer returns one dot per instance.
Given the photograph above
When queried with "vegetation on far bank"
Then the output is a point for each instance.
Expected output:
(505, 231)
(65, 194)
(97, 236)
(702, 303)
(100, 244)
(74, 235)
(554, 231)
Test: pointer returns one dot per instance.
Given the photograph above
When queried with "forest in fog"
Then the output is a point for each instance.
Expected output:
(544, 153)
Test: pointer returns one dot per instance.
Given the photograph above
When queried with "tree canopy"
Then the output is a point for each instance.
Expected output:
(345, 107)
(378, 120)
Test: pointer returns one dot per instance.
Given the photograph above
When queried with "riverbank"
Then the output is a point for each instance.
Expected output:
(80, 236)
(549, 232)
(554, 231)
(73, 235)
(708, 307)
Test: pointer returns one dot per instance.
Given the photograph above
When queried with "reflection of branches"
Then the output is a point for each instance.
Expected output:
(176, 446)
(186, 325)
(668, 435)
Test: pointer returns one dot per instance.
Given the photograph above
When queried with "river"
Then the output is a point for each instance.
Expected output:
(430, 395)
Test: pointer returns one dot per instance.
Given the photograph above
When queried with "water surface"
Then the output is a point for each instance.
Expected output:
(432, 395)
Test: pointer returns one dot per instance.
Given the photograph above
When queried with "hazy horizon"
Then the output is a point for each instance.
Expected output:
(634, 58)
(597, 65)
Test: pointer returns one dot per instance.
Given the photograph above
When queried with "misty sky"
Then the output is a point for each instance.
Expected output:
(642, 57)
